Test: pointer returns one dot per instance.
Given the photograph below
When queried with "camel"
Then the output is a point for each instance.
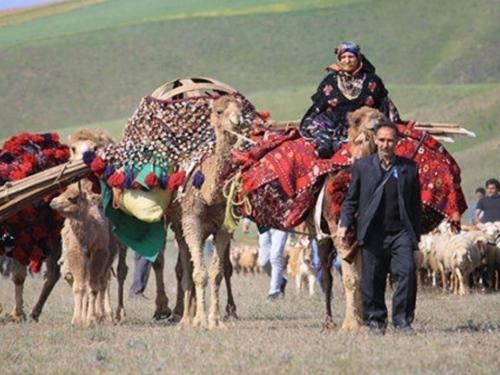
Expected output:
(361, 139)
(51, 276)
(85, 240)
(202, 213)
(81, 141)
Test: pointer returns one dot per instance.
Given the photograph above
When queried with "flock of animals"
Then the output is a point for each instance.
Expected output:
(457, 262)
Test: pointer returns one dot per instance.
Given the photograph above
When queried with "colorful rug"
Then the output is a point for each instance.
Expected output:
(282, 176)
(28, 235)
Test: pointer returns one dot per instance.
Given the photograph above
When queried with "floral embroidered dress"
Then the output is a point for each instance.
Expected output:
(325, 123)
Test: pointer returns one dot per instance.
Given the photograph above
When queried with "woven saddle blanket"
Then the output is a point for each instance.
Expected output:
(282, 177)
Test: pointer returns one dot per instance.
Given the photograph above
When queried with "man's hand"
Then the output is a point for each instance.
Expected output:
(341, 232)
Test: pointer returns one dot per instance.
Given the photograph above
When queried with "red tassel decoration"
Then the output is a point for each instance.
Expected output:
(152, 180)
(98, 165)
(176, 180)
(116, 179)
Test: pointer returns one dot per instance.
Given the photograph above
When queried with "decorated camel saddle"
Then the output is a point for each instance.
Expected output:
(163, 144)
(281, 176)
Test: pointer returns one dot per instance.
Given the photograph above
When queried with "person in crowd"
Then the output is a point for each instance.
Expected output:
(479, 193)
(271, 247)
(488, 208)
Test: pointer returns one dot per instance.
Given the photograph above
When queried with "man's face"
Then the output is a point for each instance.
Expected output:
(479, 195)
(386, 140)
(491, 190)
(349, 62)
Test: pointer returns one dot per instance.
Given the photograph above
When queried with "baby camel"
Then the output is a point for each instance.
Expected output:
(85, 239)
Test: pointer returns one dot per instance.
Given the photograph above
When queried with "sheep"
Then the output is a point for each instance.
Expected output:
(248, 260)
(300, 266)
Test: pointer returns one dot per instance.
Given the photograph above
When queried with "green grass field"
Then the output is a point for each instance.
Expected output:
(453, 336)
(87, 63)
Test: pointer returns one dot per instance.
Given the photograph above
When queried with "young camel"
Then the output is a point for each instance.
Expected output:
(86, 243)
(202, 214)
(81, 141)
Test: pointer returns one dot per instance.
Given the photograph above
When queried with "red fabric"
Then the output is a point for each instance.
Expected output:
(27, 235)
(151, 180)
(282, 177)
(116, 179)
(176, 180)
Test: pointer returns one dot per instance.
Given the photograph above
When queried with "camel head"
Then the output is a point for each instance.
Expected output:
(226, 117)
(361, 134)
(74, 200)
(87, 140)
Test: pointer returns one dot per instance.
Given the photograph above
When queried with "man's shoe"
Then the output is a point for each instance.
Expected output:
(274, 297)
(404, 329)
(283, 286)
(376, 328)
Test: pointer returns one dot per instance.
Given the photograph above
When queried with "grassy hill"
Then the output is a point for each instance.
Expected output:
(89, 62)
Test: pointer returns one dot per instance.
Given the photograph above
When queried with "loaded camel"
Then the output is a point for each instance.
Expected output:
(202, 213)
(361, 139)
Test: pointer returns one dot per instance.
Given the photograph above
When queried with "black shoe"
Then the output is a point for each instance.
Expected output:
(404, 329)
(376, 327)
(283, 286)
(274, 297)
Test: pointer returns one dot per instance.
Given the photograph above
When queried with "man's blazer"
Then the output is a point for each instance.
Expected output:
(363, 197)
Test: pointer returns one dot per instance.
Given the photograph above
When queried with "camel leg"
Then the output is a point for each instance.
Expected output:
(191, 228)
(311, 279)
(79, 302)
(91, 304)
(179, 301)
(97, 275)
(121, 271)
(326, 252)
(162, 310)
(108, 310)
(187, 285)
(298, 283)
(228, 273)
(18, 278)
(183, 274)
(222, 245)
(51, 278)
(351, 278)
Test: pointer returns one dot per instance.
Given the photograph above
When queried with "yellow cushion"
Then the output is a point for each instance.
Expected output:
(148, 206)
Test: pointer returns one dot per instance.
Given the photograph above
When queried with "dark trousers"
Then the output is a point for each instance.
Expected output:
(385, 252)
(142, 268)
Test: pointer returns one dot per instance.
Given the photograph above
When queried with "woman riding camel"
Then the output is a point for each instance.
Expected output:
(350, 84)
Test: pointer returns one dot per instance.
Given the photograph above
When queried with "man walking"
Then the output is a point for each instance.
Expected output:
(271, 246)
(384, 201)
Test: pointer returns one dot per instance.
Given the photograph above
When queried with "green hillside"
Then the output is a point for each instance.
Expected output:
(89, 63)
